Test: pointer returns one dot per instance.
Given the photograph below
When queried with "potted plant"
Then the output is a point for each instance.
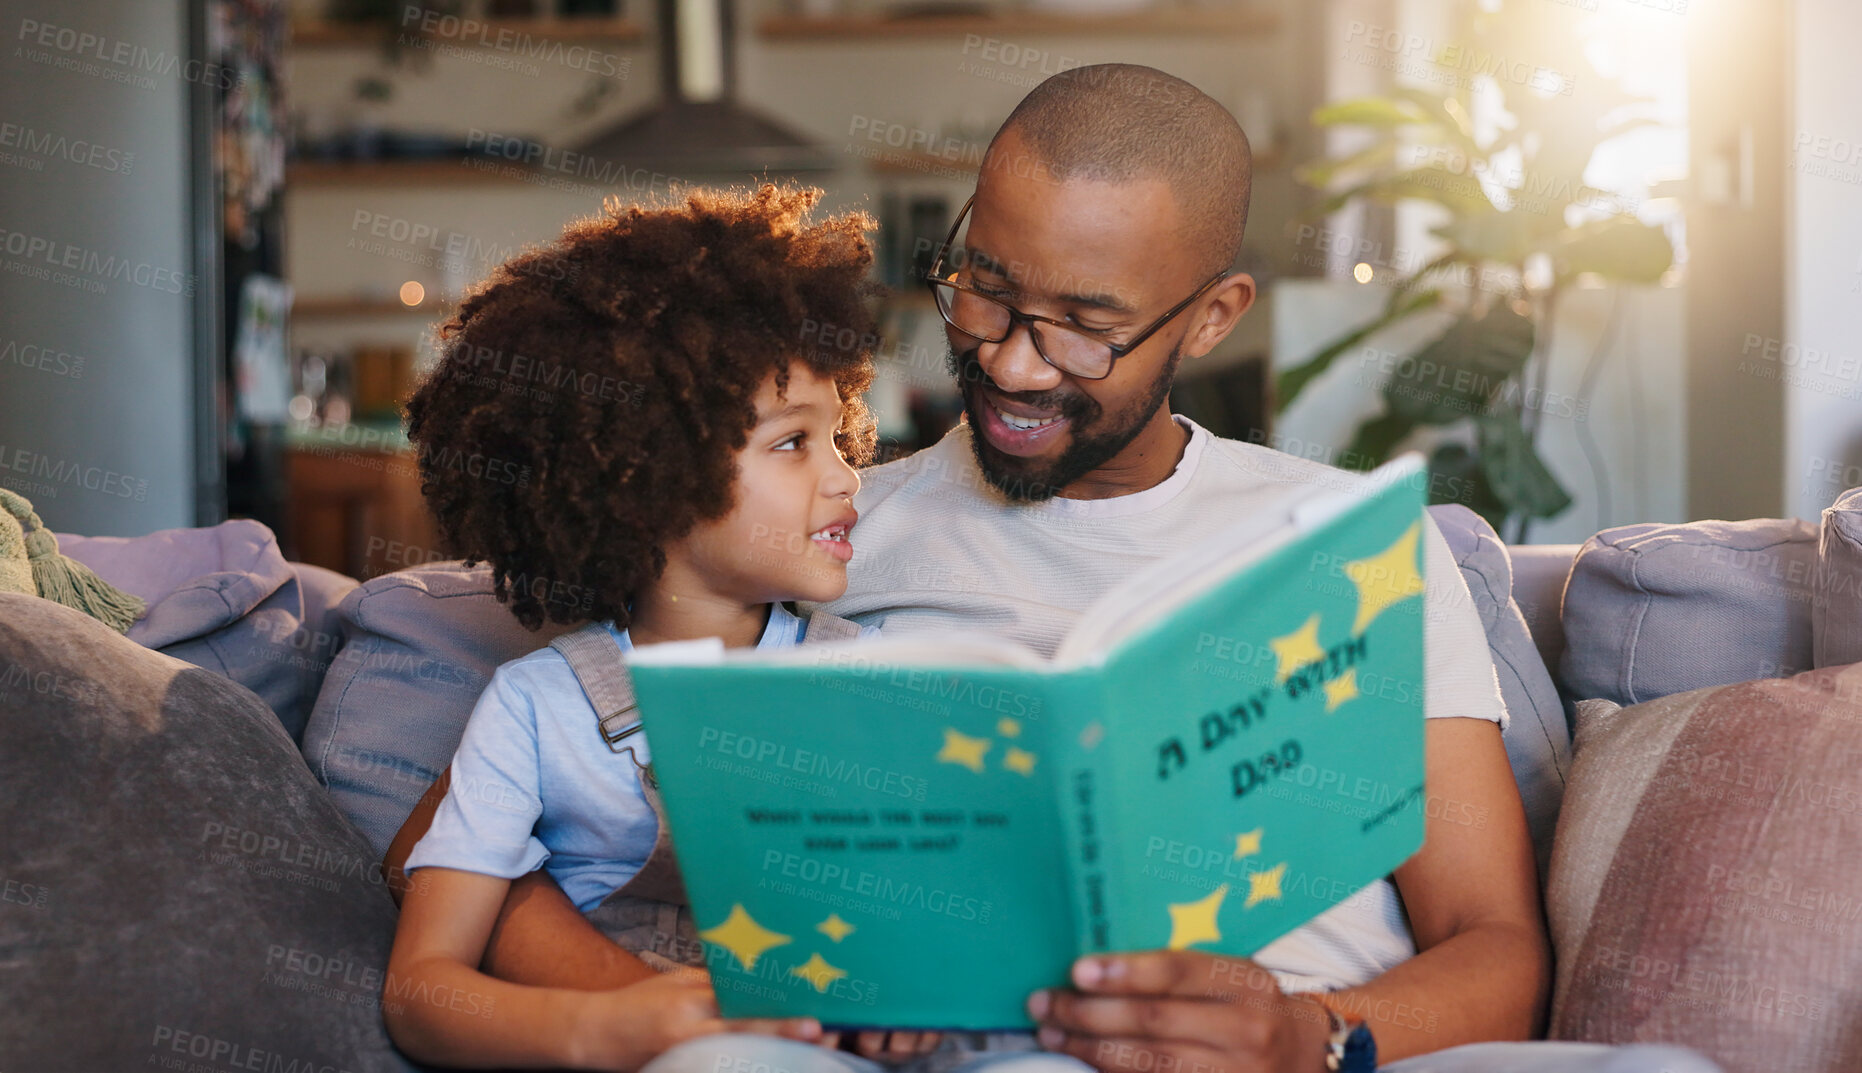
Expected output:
(1520, 228)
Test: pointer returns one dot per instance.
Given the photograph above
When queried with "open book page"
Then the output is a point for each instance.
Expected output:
(1153, 593)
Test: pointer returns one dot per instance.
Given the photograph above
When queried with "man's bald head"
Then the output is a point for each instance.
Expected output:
(1118, 122)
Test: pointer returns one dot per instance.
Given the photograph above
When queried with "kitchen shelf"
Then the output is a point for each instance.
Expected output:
(1194, 22)
(364, 307)
(320, 33)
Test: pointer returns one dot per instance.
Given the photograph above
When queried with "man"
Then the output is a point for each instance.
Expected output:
(1096, 256)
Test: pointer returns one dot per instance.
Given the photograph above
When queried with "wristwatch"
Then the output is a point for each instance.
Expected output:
(1350, 1048)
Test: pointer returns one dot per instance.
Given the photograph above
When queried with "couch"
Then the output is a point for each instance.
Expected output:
(197, 810)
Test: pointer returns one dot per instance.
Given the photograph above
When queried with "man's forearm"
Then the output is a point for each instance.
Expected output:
(1484, 983)
(543, 940)
(540, 938)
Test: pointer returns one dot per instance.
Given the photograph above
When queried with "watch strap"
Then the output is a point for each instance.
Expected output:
(1349, 1045)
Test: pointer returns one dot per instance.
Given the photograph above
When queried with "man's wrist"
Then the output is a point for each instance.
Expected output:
(1349, 1046)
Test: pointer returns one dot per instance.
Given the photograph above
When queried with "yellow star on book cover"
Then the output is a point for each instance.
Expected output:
(1020, 761)
(1194, 922)
(1248, 843)
(1265, 886)
(1385, 578)
(743, 937)
(818, 972)
(960, 748)
(1341, 689)
(1008, 728)
(835, 928)
(1297, 649)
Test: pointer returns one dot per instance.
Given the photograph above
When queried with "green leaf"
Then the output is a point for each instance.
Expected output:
(1506, 238)
(1322, 173)
(1513, 467)
(1455, 476)
(1375, 440)
(1457, 374)
(1459, 192)
(1293, 381)
(1617, 247)
(1446, 112)
(1400, 293)
(1378, 112)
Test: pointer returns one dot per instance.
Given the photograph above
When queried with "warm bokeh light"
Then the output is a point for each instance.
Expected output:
(412, 293)
(1362, 272)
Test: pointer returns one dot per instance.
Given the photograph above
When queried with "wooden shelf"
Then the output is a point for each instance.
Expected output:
(356, 511)
(319, 33)
(441, 172)
(1191, 22)
(365, 307)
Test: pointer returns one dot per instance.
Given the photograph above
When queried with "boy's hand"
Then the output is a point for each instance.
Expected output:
(1182, 1010)
(626, 1028)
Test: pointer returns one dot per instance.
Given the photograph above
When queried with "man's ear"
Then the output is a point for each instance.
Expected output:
(1222, 309)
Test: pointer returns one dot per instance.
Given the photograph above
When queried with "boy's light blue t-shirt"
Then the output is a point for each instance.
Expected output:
(533, 783)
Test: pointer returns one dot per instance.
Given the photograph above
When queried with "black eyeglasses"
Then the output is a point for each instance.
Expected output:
(1066, 347)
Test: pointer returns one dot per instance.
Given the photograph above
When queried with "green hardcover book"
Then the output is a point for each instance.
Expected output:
(919, 832)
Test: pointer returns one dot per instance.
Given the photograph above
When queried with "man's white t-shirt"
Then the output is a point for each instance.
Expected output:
(937, 548)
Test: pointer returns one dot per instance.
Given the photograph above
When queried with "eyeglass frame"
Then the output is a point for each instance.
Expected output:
(933, 281)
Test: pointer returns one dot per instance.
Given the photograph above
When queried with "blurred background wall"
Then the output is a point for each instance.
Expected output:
(369, 160)
(103, 423)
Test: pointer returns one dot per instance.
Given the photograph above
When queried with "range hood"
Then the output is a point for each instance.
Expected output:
(698, 129)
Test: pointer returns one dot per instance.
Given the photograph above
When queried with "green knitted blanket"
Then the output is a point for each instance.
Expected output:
(30, 563)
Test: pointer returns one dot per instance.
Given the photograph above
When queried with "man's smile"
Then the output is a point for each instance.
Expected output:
(1017, 429)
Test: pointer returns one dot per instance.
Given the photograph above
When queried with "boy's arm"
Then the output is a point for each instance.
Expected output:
(445, 920)
(442, 1011)
(538, 937)
(541, 939)
(394, 862)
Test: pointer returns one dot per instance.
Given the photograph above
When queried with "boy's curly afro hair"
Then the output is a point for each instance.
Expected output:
(592, 393)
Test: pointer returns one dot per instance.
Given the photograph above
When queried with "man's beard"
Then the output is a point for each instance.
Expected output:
(1026, 480)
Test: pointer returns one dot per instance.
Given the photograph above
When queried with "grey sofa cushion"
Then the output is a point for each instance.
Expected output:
(419, 646)
(223, 597)
(1539, 574)
(1652, 610)
(1538, 738)
(1836, 613)
(178, 888)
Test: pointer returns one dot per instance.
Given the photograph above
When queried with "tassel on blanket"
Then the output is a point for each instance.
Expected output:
(15, 570)
(57, 577)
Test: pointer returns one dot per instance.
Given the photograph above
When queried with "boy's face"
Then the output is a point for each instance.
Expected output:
(786, 537)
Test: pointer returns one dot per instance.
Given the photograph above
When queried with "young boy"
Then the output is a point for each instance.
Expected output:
(688, 444)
